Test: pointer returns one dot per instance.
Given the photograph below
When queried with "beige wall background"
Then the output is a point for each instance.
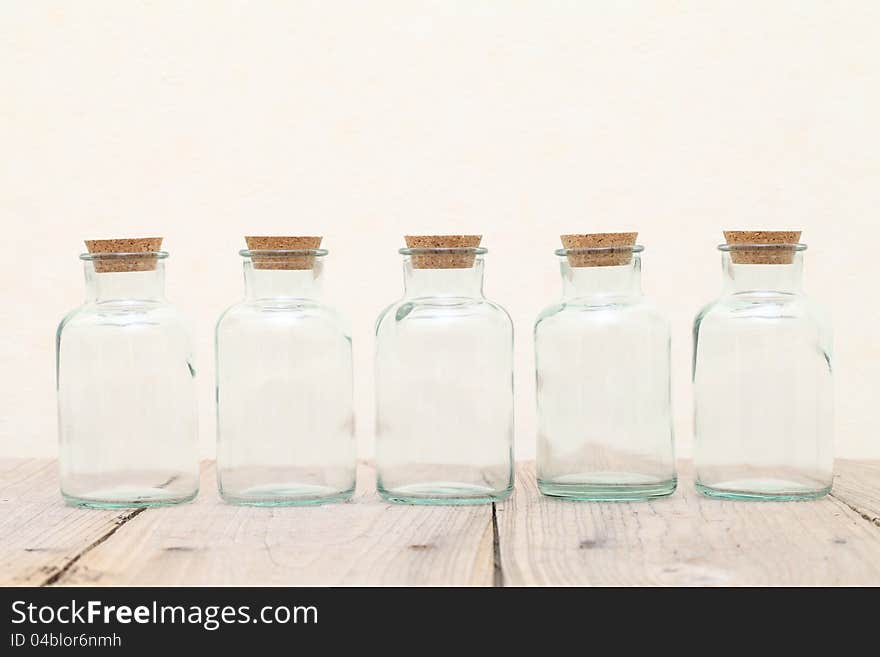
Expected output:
(361, 121)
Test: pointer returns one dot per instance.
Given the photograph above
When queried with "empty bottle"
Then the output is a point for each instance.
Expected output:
(127, 421)
(602, 372)
(444, 381)
(762, 377)
(285, 422)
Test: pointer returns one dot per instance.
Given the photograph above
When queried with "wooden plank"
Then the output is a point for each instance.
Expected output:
(40, 536)
(685, 539)
(365, 541)
(857, 484)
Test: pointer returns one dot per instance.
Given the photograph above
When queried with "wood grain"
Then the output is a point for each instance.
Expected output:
(685, 539)
(365, 541)
(41, 537)
(857, 484)
(529, 540)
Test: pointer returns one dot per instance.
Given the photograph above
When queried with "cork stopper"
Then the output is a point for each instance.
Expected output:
(283, 260)
(600, 241)
(127, 245)
(443, 259)
(762, 256)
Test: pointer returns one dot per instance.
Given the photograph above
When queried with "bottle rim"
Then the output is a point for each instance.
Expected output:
(792, 246)
(634, 248)
(158, 255)
(443, 250)
(282, 253)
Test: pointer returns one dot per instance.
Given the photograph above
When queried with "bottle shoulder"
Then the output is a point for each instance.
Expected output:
(788, 315)
(463, 309)
(275, 312)
(761, 305)
(603, 311)
(549, 312)
(122, 313)
(791, 319)
(146, 323)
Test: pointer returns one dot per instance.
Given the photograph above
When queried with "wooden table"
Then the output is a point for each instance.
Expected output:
(529, 540)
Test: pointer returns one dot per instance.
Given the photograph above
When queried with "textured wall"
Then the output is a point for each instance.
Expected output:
(361, 121)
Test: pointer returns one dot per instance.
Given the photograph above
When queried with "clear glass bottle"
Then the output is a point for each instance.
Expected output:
(762, 377)
(127, 420)
(444, 381)
(602, 372)
(285, 420)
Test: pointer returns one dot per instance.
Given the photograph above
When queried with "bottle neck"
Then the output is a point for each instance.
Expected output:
(739, 278)
(601, 281)
(460, 282)
(125, 285)
(261, 284)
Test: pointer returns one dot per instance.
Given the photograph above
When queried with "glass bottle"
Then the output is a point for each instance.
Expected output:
(444, 381)
(127, 420)
(285, 421)
(602, 372)
(762, 377)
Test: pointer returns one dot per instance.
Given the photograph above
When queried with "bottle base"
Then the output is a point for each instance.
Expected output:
(608, 491)
(444, 493)
(762, 490)
(287, 495)
(128, 499)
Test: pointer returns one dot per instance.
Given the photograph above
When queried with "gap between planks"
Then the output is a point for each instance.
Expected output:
(873, 519)
(61, 572)
(497, 570)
